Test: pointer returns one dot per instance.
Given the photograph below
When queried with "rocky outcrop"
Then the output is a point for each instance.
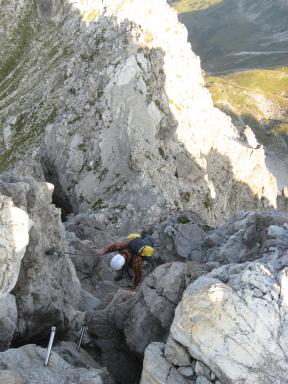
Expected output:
(25, 365)
(152, 374)
(178, 237)
(134, 319)
(218, 318)
(246, 237)
(14, 237)
(121, 98)
(120, 165)
(8, 320)
(231, 323)
(45, 285)
(117, 117)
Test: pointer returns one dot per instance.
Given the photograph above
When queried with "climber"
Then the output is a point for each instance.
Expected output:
(131, 254)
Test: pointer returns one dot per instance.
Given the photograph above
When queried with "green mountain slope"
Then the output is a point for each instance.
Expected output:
(258, 97)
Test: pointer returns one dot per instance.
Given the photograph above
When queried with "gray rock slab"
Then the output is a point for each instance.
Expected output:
(8, 320)
(28, 361)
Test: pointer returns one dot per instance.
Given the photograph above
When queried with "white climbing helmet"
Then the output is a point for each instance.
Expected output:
(117, 262)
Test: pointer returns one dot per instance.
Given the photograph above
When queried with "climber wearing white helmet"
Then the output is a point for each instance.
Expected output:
(130, 255)
(117, 262)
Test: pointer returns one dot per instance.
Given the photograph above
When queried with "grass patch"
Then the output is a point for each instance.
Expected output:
(183, 220)
(98, 204)
(184, 6)
(258, 97)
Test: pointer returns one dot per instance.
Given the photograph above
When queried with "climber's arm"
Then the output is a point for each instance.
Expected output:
(114, 247)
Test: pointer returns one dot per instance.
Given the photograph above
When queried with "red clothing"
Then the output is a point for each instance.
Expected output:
(134, 263)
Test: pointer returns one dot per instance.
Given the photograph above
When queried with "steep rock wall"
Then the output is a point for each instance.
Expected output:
(44, 284)
(129, 124)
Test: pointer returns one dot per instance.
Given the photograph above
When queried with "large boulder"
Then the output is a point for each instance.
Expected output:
(153, 309)
(47, 289)
(134, 319)
(157, 370)
(178, 236)
(26, 365)
(235, 321)
(231, 324)
(8, 320)
(14, 238)
(246, 237)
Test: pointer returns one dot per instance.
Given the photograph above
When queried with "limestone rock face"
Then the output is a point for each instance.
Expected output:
(155, 306)
(47, 288)
(135, 319)
(178, 236)
(246, 237)
(141, 91)
(8, 320)
(25, 365)
(231, 323)
(235, 318)
(14, 240)
(130, 129)
(157, 370)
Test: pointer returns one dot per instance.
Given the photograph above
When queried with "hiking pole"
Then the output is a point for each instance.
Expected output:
(83, 330)
(52, 335)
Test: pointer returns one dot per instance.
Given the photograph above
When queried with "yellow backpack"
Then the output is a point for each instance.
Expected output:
(148, 248)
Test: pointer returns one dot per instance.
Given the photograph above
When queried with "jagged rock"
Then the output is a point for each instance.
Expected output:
(8, 320)
(154, 309)
(234, 318)
(178, 236)
(202, 380)
(14, 238)
(26, 363)
(245, 237)
(282, 199)
(68, 352)
(91, 268)
(176, 354)
(119, 99)
(89, 227)
(187, 372)
(47, 289)
(202, 370)
(10, 377)
(231, 319)
(135, 319)
(157, 370)
(88, 302)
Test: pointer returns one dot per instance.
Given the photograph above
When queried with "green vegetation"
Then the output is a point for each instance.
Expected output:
(258, 97)
(207, 202)
(184, 6)
(17, 82)
(98, 204)
(161, 152)
(15, 48)
(183, 220)
(28, 131)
